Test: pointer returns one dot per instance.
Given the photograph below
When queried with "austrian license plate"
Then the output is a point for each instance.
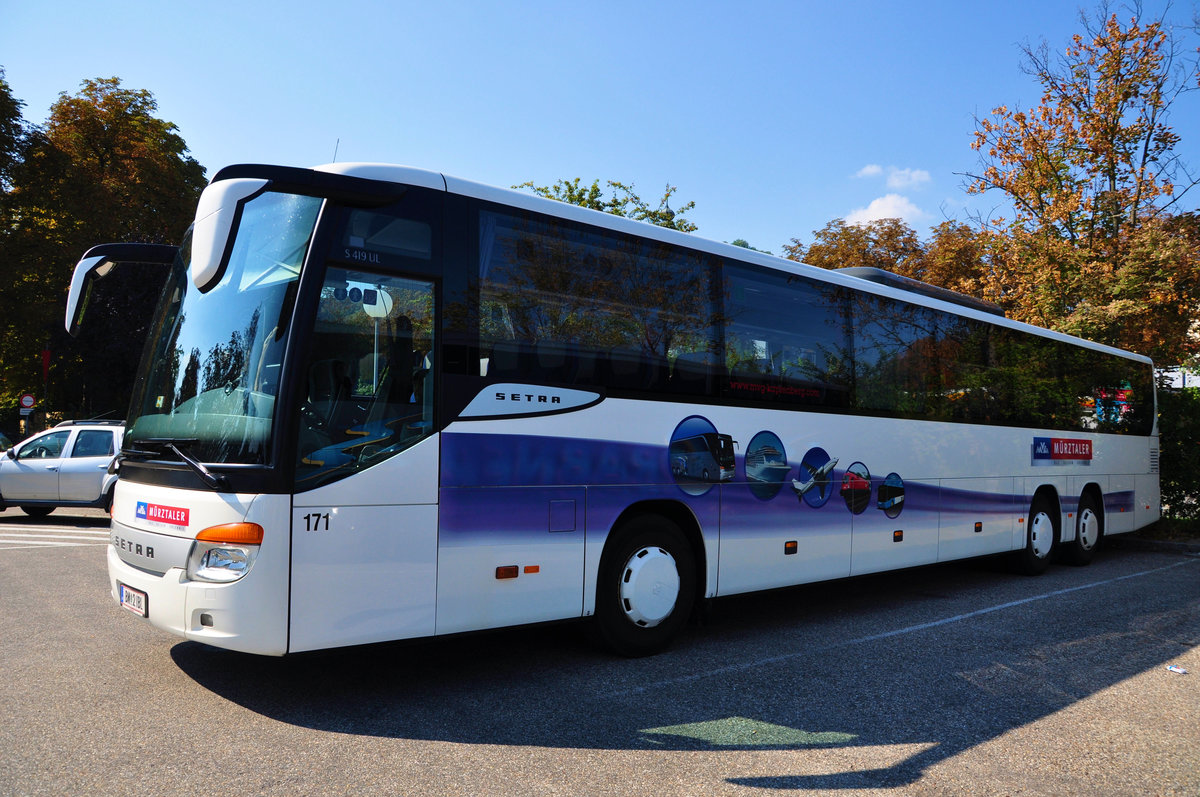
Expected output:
(133, 599)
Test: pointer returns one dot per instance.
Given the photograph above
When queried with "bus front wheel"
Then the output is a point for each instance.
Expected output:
(646, 588)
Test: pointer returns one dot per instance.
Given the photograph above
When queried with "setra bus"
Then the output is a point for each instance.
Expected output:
(379, 403)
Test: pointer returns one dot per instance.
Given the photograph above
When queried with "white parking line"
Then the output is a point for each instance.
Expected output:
(93, 537)
(8, 546)
(22, 537)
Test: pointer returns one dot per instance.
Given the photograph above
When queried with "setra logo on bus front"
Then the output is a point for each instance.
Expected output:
(157, 513)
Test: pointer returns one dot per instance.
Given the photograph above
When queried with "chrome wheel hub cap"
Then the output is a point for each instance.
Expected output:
(1089, 529)
(649, 586)
(1041, 535)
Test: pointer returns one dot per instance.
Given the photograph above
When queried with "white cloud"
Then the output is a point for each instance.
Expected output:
(891, 206)
(906, 178)
(897, 178)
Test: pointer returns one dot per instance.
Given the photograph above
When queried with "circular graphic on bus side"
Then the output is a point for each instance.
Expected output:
(766, 465)
(856, 488)
(699, 455)
(814, 482)
(891, 495)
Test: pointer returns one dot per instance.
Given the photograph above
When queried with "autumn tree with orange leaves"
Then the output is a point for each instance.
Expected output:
(1097, 241)
(1097, 233)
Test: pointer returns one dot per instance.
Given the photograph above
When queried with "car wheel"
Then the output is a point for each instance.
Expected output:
(37, 511)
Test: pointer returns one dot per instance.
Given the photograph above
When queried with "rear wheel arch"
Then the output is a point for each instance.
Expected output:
(1088, 527)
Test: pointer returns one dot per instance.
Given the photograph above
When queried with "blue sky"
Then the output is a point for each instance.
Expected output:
(773, 117)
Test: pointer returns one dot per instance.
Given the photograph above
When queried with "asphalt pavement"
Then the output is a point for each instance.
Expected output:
(954, 679)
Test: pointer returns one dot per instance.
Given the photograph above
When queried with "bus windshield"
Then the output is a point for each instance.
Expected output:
(211, 367)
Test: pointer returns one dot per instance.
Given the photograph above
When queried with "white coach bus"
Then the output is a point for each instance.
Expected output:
(379, 403)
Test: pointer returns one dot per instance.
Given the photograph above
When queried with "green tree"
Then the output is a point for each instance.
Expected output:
(103, 168)
(1179, 425)
(12, 131)
(624, 201)
(742, 242)
(1094, 180)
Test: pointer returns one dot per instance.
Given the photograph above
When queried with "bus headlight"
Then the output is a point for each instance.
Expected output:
(224, 553)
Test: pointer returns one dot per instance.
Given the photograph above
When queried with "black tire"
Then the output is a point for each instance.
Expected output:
(647, 586)
(1089, 531)
(1041, 534)
(37, 511)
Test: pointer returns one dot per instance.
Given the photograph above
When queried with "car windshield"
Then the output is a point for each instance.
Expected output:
(210, 372)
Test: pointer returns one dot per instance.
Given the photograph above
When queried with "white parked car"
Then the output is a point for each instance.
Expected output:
(63, 466)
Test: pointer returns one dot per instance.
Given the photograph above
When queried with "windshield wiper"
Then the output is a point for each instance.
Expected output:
(214, 481)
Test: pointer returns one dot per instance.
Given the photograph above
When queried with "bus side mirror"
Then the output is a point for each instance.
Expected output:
(97, 263)
(219, 207)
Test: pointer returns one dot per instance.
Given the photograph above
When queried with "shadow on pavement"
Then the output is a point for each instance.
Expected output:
(800, 669)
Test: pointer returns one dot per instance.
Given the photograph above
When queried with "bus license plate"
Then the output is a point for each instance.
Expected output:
(133, 599)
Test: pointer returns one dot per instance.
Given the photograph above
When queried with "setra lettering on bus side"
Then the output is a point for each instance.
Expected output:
(529, 398)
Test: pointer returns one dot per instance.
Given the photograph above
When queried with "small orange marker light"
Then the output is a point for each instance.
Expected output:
(790, 547)
(533, 568)
(898, 535)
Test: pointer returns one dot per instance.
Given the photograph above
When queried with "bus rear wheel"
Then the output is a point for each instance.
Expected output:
(1089, 529)
(646, 588)
(1040, 536)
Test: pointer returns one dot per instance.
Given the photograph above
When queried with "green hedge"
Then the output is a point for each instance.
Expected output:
(1179, 461)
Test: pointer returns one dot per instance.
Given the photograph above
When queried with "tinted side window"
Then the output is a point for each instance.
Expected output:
(897, 362)
(564, 304)
(786, 339)
(965, 357)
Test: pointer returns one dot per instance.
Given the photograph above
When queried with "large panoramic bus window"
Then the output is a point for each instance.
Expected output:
(1026, 377)
(369, 389)
(210, 372)
(786, 339)
(897, 363)
(963, 356)
(1042, 382)
(562, 304)
(1113, 393)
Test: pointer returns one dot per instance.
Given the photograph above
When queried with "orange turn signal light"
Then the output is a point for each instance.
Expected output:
(233, 534)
